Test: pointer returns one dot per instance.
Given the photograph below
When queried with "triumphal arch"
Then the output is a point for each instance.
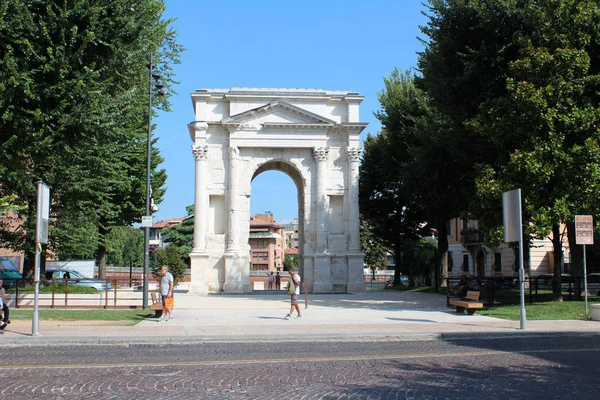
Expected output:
(312, 135)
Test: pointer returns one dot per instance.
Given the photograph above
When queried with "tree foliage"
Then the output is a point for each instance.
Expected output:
(172, 258)
(182, 235)
(520, 79)
(372, 246)
(74, 111)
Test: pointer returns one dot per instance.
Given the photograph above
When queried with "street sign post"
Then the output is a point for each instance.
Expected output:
(584, 234)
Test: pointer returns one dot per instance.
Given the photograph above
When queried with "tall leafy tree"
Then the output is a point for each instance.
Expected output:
(386, 201)
(523, 77)
(549, 119)
(73, 108)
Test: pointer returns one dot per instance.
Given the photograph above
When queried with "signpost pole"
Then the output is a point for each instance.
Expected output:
(585, 283)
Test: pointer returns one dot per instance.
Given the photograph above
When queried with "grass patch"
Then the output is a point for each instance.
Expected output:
(508, 305)
(84, 315)
(548, 311)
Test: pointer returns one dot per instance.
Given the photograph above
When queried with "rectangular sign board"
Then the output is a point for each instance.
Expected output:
(43, 213)
(146, 222)
(511, 212)
(584, 229)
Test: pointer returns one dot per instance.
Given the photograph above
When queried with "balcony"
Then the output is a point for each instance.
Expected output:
(470, 237)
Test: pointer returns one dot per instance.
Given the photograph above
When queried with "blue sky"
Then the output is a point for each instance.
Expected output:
(334, 44)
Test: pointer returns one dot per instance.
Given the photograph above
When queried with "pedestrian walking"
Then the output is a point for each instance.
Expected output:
(5, 310)
(277, 281)
(166, 291)
(271, 279)
(294, 291)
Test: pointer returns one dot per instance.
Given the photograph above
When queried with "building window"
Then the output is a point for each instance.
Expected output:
(465, 224)
(465, 265)
(498, 262)
(449, 228)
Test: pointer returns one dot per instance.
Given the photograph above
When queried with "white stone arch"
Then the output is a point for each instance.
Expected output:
(313, 137)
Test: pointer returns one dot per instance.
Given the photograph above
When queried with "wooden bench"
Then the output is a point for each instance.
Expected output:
(157, 305)
(470, 303)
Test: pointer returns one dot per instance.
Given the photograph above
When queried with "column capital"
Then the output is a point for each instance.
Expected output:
(353, 153)
(321, 153)
(234, 153)
(200, 152)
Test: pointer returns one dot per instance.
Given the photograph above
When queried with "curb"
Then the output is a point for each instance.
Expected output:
(162, 341)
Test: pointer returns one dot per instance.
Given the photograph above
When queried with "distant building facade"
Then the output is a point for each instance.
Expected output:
(156, 242)
(291, 234)
(470, 255)
(267, 243)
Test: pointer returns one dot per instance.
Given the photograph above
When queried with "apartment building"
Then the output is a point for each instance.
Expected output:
(267, 243)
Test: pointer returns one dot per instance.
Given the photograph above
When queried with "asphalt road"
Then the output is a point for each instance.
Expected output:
(531, 367)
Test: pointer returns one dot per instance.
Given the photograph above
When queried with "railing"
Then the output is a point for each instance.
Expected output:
(116, 293)
(496, 290)
(377, 281)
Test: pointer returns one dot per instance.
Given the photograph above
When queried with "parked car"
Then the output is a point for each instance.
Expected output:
(9, 273)
(545, 281)
(75, 278)
(593, 284)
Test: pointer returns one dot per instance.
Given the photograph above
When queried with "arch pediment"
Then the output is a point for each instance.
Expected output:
(277, 114)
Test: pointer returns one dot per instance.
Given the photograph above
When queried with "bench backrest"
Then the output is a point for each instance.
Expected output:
(472, 295)
(154, 297)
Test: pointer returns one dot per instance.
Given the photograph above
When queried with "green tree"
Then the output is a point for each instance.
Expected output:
(172, 258)
(387, 204)
(523, 76)
(73, 109)
(290, 261)
(372, 246)
(125, 247)
(182, 235)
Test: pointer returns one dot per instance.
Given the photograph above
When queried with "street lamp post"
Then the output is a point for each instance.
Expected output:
(153, 83)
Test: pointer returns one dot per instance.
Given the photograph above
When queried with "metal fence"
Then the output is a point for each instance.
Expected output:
(116, 293)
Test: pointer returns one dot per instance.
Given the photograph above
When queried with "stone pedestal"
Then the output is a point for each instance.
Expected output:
(356, 279)
(322, 266)
(199, 268)
(234, 277)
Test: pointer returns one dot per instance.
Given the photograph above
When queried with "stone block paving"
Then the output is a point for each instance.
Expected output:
(493, 375)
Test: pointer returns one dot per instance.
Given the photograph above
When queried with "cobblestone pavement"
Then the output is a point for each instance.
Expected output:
(523, 368)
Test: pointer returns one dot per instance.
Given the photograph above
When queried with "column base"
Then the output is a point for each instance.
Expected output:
(234, 283)
(322, 268)
(198, 288)
(199, 272)
(356, 274)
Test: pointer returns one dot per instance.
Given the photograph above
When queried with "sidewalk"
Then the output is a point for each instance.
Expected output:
(374, 316)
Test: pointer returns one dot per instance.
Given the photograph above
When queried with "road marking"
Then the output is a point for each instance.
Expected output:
(287, 360)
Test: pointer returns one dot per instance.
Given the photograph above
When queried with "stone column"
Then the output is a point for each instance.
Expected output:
(233, 206)
(320, 154)
(234, 262)
(353, 155)
(354, 256)
(199, 257)
(200, 200)
(322, 260)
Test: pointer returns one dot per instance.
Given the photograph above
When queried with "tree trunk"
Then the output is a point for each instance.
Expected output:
(556, 281)
(441, 265)
(576, 251)
(101, 252)
(398, 257)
